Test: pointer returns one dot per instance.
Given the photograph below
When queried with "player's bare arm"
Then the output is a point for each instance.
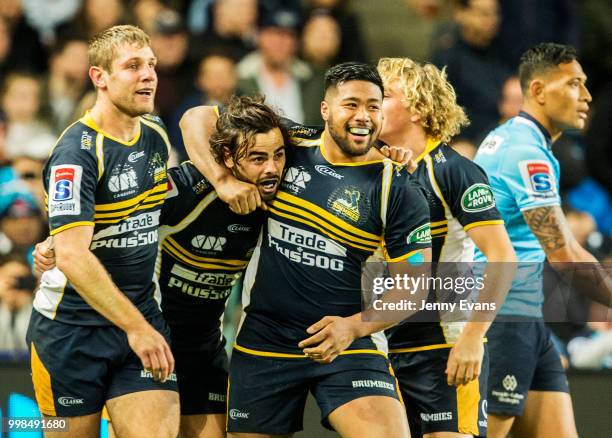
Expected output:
(333, 334)
(548, 224)
(94, 284)
(197, 125)
(465, 359)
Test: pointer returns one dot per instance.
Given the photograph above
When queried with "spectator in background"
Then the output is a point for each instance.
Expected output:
(320, 53)
(175, 71)
(145, 12)
(67, 81)
(273, 70)
(94, 16)
(21, 227)
(45, 16)
(599, 139)
(16, 287)
(26, 132)
(26, 51)
(215, 83)
(474, 65)
(232, 29)
(29, 170)
(352, 43)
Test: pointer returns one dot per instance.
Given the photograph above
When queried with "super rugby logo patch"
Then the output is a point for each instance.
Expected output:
(65, 190)
(538, 178)
(478, 197)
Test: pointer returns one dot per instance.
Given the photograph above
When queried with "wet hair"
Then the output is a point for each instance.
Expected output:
(542, 58)
(352, 71)
(243, 118)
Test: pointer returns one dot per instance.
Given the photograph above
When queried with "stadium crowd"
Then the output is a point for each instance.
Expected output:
(210, 50)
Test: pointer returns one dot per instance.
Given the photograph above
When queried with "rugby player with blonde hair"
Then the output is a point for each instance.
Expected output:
(96, 334)
(421, 114)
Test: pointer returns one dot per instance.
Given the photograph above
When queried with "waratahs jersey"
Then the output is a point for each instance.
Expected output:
(118, 187)
(524, 174)
(204, 247)
(325, 221)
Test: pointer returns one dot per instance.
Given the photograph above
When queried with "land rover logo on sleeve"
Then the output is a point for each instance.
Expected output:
(478, 197)
(421, 234)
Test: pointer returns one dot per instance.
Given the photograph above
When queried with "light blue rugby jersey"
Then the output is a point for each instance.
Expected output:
(523, 174)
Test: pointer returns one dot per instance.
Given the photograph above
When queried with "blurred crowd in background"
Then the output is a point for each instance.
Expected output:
(209, 50)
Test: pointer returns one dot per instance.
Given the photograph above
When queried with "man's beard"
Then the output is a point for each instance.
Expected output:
(344, 144)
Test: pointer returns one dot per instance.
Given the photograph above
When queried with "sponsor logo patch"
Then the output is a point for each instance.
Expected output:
(239, 228)
(478, 197)
(538, 178)
(65, 186)
(421, 234)
(134, 156)
(86, 141)
(70, 401)
(490, 144)
(211, 243)
(509, 383)
(296, 179)
(235, 414)
(349, 203)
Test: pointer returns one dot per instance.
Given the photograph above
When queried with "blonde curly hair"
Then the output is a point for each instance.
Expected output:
(427, 93)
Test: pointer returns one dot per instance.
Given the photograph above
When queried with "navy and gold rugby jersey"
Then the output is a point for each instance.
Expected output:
(325, 221)
(459, 198)
(117, 187)
(204, 246)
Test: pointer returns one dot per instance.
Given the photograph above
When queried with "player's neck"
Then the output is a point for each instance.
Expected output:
(114, 122)
(413, 138)
(537, 113)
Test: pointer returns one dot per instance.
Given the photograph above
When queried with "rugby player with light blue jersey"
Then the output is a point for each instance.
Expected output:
(528, 391)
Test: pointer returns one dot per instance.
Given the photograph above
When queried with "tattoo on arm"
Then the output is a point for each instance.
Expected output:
(549, 226)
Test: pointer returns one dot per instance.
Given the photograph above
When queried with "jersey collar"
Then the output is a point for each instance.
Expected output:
(432, 143)
(539, 127)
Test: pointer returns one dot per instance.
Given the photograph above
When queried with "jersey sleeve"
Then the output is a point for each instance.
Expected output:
(71, 179)
(407, 227)
(185, 184)
(530, 177)
(469, 194)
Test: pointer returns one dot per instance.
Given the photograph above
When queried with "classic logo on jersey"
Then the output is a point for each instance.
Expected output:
(490, 144)
(239, 228)
(538, 178)
(478, 197)
(296, 179)
(349, 203)
(65, 187)
(134, 156)
(86, 141)
(210, 243)
(123, 181)
(421, 234)
(328, 171)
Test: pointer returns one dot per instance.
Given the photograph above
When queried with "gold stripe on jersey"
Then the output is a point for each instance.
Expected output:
(100, 154)
(302, 356)
(71, 225)
(468, 402)
(324, 215)
(159, 130)
(400, 258)
(42, 384)
(110, 218)
(89, 121)
(439, 224)
(387, 176)
(432, 143)
(423, 348)
(305, 142)
(173, 248)
(323, 230)
(437, 231)
(480, 223)
(129, 203)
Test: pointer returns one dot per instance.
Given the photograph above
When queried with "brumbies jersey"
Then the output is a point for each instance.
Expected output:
(118, 188)
(204, 246)
(325, 221)
(460, 199)
(524, 174)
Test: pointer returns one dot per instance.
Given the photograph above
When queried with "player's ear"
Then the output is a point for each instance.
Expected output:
(228, 159)
(324, 111)
(536, 91)
(96, 74)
